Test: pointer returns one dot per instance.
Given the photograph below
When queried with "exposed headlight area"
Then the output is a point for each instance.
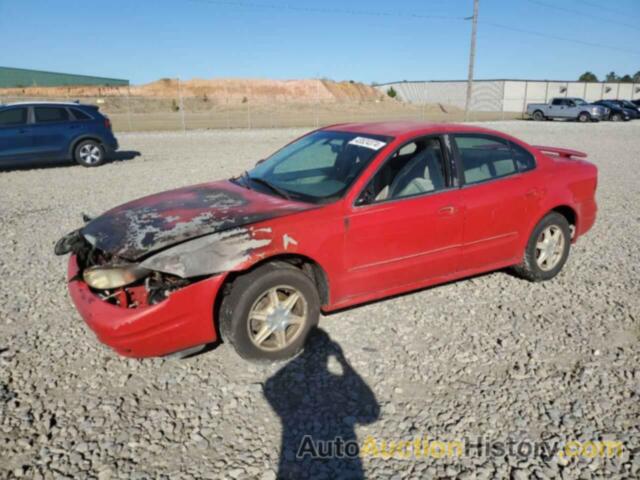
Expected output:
(130, 285)
(113, 276)
(115, 280)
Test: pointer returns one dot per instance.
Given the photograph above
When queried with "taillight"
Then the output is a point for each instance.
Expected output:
(107, 123)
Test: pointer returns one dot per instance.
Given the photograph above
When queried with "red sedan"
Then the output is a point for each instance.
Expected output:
(343, 215)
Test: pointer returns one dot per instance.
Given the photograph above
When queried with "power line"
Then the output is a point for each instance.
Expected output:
(588, 15)
(324, 10)
(608, 9)
(556, 37)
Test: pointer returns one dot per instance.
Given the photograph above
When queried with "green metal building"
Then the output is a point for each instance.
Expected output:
(20, 78)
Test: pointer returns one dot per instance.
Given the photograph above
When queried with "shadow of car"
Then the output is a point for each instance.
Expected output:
(119, 156)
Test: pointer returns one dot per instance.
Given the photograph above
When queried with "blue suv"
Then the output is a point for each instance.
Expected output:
(38, 132)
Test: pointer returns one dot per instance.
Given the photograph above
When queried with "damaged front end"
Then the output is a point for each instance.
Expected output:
(115, 280)
(145, 276)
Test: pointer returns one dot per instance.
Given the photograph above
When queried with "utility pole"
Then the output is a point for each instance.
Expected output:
(472, 57)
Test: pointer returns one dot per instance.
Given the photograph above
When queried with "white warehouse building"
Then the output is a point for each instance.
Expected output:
(507, 95)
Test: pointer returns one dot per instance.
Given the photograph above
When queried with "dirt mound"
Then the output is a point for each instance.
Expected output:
(220, 91)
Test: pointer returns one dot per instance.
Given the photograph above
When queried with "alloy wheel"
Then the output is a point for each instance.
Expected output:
(277, 318)
(549, 247)
(90, 154)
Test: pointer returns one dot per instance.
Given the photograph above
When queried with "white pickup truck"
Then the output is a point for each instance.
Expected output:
(568, 108)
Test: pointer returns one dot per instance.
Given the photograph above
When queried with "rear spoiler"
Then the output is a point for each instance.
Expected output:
(560, 152)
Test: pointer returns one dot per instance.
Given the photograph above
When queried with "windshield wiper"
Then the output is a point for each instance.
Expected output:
(283, 193)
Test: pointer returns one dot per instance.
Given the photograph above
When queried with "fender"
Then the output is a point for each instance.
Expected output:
(549, 206)
(242, 248)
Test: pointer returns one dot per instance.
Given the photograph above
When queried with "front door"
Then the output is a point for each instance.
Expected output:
(15, 136)
(406, 226)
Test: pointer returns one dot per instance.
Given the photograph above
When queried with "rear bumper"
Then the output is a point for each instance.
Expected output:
(111, 145)
(185, 319)
(586, 218)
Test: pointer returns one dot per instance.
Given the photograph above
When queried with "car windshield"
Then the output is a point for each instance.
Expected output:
(628, 104)
(317, 168)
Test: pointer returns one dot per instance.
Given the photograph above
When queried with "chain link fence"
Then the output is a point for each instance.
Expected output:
(181, 109)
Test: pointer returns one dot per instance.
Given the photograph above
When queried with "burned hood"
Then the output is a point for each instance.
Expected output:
(138, 228)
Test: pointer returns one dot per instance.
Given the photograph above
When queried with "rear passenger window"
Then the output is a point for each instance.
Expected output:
(524, 160)
(13, 116)
(51, 114)
(484, 158)
(79, 114)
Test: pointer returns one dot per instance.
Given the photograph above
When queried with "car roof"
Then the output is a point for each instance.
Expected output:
(53, 104)
(407, 128)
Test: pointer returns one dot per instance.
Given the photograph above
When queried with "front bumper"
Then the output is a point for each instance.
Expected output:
(185, 319)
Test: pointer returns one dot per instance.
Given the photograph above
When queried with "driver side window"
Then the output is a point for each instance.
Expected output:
(416, 168)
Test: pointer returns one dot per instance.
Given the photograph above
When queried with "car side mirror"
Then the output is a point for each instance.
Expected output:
(365, 198)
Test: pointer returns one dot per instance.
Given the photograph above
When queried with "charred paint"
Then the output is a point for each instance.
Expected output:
(152, 223)
(218, 252)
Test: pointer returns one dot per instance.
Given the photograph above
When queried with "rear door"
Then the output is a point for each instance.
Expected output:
(494, 201)
(16, 142)
(555, 107)
(52, 132)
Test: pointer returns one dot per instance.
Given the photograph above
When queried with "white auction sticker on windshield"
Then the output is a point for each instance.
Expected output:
(371, 143)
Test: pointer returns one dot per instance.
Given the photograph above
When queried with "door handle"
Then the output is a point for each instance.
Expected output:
(448, 210)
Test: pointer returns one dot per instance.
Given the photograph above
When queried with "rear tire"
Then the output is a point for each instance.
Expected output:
(547, 249)
(89, 153)
(261, 316)
(538, 116)
(584, 117)
(615, 117)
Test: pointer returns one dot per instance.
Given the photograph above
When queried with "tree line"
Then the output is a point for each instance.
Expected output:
(610, 77)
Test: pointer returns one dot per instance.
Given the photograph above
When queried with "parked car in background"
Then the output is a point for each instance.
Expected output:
(567, 108)
(632, 108)
(54, 132)
(344, 215)
(616, 113)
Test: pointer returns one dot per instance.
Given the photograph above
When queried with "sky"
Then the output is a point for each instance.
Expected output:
(361, 40)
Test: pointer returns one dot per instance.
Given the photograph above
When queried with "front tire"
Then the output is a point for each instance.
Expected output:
(89, 153)
(616, 117)
(584, 117)
(267, 314)
(547, 249)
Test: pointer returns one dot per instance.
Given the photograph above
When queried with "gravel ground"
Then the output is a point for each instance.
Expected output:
(493, 357)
